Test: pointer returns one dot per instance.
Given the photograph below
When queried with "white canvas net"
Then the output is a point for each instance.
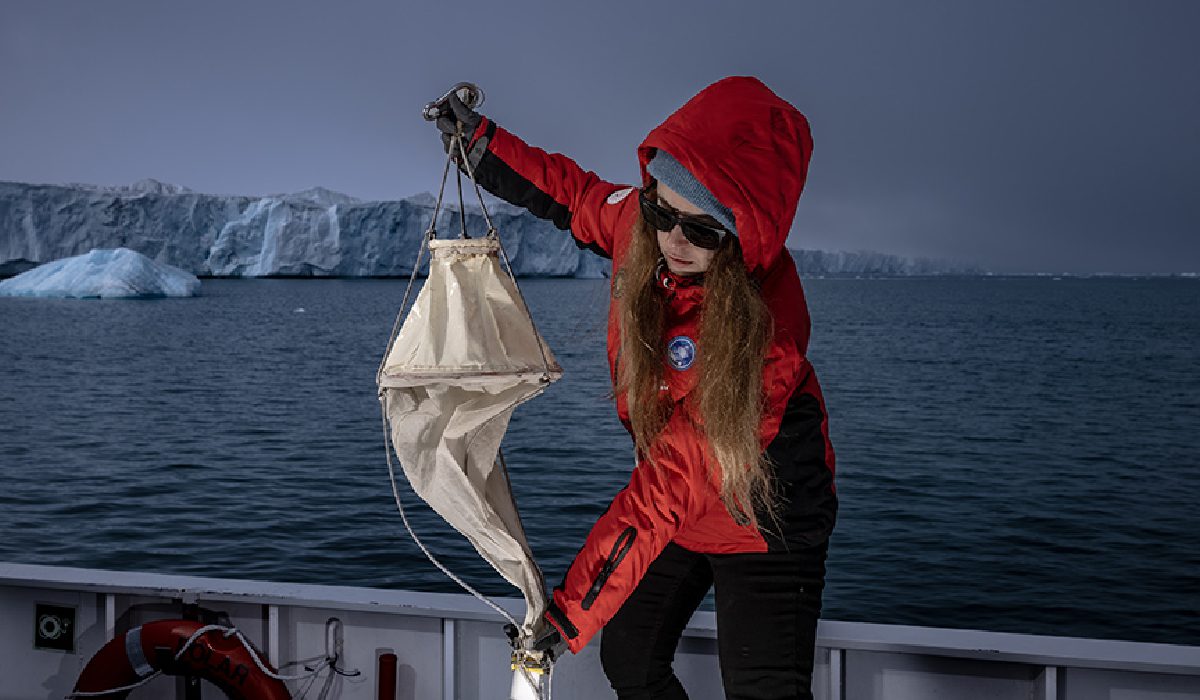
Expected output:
(467, 355)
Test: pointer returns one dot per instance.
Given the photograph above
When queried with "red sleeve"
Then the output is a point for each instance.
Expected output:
(638, 524)
(786, 365)
(551, 186)
(784, 370)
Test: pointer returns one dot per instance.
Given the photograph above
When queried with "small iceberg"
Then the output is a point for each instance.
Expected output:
(104, 273)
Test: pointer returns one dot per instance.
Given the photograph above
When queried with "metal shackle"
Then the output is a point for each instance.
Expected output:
(470, 94)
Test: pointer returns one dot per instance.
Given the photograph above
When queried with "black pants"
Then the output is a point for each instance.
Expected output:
(767, 610)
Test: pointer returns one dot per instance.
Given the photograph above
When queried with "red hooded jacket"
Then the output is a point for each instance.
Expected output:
(751, 150)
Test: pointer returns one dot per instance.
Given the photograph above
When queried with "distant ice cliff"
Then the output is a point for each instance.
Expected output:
(314, 233)
(317, 233)
(869, 262)
(103, 274)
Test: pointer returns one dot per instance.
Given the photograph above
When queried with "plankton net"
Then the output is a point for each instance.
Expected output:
(468, 353)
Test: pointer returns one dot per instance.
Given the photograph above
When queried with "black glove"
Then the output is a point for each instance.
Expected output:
(552, 643)
(548, 640)
(457, 118)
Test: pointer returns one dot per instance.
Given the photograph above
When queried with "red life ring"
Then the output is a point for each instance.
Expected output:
(219, 659)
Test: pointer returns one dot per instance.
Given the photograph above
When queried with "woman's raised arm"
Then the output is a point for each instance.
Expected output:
(550, 185)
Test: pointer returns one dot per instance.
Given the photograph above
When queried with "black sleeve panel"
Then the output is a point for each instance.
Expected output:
(497, 177)
(807, 504)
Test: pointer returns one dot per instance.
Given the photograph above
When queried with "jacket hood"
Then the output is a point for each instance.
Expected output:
(751, 149)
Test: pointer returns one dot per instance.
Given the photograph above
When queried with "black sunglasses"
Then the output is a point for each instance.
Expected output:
(696, 230)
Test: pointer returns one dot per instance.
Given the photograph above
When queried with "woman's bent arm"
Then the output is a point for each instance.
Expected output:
(661, 497)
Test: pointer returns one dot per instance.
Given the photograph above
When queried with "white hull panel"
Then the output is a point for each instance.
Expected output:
(452, 646)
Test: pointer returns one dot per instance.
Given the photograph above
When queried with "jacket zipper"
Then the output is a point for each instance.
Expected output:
(620, 548)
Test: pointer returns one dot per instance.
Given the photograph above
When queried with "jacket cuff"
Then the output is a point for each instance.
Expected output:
(570, 634)
(478, 144)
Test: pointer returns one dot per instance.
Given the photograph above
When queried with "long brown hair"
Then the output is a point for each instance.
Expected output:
(735, 329)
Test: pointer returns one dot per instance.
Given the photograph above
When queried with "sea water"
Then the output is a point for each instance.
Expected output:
(1016, 454)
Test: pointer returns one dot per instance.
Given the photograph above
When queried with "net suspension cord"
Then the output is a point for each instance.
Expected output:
(462, 208)
(430, 234)
(492, 233)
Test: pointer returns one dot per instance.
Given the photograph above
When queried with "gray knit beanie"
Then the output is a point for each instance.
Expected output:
(664, 168)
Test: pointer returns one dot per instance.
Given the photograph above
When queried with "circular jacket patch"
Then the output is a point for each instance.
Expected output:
(681, 352)
(619, 195)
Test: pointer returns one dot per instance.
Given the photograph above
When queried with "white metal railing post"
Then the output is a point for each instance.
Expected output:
(110, 616)
(273, 635)
(836, 659)
(449, 660)
(1049, 683)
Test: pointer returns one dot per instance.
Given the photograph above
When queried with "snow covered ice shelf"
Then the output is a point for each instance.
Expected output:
(104, 273)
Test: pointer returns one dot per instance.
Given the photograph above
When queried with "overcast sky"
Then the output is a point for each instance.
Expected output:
(1025, 136)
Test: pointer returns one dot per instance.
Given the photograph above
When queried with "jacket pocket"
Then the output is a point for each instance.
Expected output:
(620, 548)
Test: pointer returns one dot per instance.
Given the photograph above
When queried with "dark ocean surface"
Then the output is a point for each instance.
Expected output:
(1016, 454)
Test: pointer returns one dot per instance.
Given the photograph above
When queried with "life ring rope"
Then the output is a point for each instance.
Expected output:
(133, 637)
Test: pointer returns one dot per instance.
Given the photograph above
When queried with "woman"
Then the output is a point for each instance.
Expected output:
(708, 330)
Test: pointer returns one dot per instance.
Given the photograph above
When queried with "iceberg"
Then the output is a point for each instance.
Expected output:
(117, 273)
